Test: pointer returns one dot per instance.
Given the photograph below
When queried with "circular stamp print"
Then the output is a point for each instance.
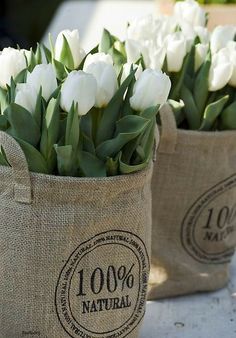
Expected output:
(102, 288)
(208, 229)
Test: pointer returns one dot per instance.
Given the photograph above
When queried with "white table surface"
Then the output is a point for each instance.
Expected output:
(90, 17)
(206, 315)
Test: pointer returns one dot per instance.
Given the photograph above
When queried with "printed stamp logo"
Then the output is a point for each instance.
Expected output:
(208, 229)
(102, 288)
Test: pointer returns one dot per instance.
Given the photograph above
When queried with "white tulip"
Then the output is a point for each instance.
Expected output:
(43, 76)
(221, 70)
(142, 29)
(127, 68)
(203, 34)
(26, 96)
(151, 89)
(191, 12)
(221, 36)
(106, 78)
(176, 50)
(201, 51)
(97, 57)
(79, 88)
(133, 50)
(73, 40)
(157, 57)
(12, 62)
(231, 46)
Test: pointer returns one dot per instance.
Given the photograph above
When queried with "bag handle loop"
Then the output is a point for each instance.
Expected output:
(18, 162)
(169, 132)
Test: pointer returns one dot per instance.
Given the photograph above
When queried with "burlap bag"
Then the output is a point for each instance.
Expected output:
(74, 252)
(194, 210)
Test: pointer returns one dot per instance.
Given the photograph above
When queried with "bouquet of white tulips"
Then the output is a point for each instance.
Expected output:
(200, 64)
(76, 114)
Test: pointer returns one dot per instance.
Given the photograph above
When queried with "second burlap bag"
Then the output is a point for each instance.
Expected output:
(194, 210)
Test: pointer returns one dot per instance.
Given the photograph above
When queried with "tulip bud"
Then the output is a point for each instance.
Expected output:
(43, 76)
(221, 70)
(106, 78)
(127, 68)
(151, 89)
(176, 50)
(73, 43)
(231, 46)
(80, 88)
(191, 12)
(26, 96)
(97, 57)
(12, 62)
(201, 51)
(221, 36)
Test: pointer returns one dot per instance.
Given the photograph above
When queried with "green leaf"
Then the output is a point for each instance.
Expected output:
(50, 133)
(125, 168)
(111, 112)
(22, 124)
(118, 58)
(66, 56)
(127, 128)
(91, 166)
(200, 91)
(190, 109)
(112, 166)
(126, 109)
(64, 160)
(150, 112)
(72, 128)
(34, 159)
(179, 80)
(38, 54)
(228, 117)
(3, 123)
(107, 42)
(3, 159)
(211, 113)
(3, 100)
(21, 77)
(47, 53)
(177, 108)
(60, 70)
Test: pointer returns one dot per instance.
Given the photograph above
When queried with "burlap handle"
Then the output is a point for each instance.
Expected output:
(169, 133)
(21, 174)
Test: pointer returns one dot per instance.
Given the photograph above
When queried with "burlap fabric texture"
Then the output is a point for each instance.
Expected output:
(74, 252)
(194, 210)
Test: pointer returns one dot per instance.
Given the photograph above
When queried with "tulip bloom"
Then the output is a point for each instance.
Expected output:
(26, 96)
(43, 76)
(79, 88)
(151, 89)
(72, 38)
(12, 62)
(191, 12)
(221, 36)
(176, 50)
(106, 78)
(221, 70)
(97, 57)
